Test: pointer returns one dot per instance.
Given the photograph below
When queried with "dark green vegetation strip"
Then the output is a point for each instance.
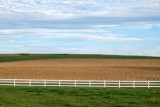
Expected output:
(23, 57)
(78, 97)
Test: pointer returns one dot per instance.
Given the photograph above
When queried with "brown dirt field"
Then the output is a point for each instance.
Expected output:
(79, 69)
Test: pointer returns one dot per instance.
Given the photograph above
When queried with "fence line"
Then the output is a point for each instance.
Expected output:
(80, 83)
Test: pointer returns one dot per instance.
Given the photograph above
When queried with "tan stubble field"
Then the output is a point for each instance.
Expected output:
(83, 69)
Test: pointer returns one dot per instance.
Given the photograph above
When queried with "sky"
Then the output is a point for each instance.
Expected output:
(119, 27)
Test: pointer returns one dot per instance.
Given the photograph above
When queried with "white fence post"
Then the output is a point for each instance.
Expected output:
(90, 83)
(119, 84)
(45, 82)
(75, 83)
(59, 83)
(104, 83)
(14, 82)
(133, 84)
(30, 82)
(148, 85)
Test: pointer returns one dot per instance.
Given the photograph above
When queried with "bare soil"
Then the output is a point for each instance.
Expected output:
(80, 69)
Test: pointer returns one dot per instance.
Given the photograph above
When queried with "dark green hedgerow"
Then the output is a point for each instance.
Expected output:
(23, 57)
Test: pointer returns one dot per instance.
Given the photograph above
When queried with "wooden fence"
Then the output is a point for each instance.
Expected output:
(80, 83)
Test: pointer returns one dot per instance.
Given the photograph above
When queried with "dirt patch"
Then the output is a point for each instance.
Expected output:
(91, 69)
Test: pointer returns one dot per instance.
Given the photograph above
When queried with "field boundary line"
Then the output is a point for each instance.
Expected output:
(80, 83)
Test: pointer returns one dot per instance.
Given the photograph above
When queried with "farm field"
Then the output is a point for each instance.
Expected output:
(24, 57)
(78, 97)
(82, 69)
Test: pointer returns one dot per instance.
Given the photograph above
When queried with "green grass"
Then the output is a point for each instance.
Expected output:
(78, 97)
(23, 57)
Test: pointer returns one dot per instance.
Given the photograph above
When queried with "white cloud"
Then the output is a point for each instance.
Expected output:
(83, 7)
(107, 37)
(49, 33)
(84, 21)
(30, 11)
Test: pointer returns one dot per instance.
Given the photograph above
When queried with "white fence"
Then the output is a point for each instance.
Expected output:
(79, 83)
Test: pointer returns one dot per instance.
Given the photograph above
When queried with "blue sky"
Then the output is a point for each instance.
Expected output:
(128, 27)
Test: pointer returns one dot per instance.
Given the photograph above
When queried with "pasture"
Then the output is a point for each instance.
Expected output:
(78, 97)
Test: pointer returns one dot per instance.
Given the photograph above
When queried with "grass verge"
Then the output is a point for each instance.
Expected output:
(78, 97)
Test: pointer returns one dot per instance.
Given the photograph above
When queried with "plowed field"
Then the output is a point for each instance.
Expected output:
(79, 69)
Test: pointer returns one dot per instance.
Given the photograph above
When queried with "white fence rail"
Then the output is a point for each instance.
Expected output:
(79, 83)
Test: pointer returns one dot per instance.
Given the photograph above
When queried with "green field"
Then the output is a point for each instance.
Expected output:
(22, 57)
(78, 97)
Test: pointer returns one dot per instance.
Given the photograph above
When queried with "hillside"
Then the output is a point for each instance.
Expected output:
(23, 57)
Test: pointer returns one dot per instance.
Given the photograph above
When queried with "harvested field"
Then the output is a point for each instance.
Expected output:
(90, 69)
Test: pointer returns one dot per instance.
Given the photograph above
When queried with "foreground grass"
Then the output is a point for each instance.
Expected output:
(78, 97)
(23, 57)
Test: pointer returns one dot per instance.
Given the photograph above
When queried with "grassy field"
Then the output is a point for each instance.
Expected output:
(78, 97)
(22, 57)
